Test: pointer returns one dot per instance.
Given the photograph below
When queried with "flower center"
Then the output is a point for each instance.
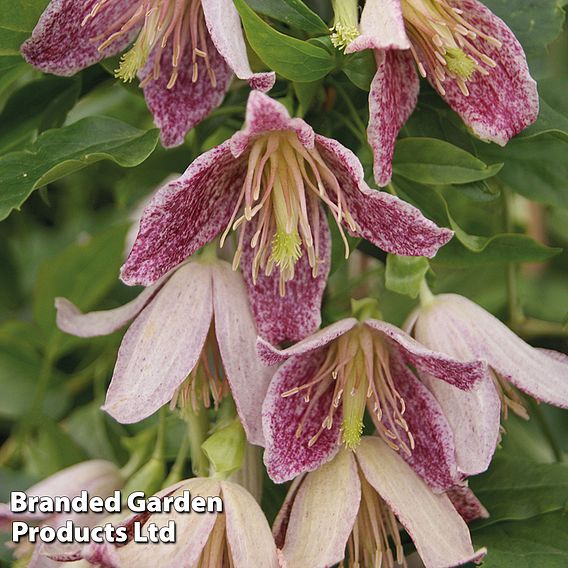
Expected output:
(206, 383)
(345, 23)
(179, 23)
(375, 529)
(280, 196)
(442, 43)
(356, 367)
(510, 398)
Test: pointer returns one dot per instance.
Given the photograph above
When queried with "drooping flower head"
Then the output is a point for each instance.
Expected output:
(192, 342)
(317, 399)
(467, 53)
(458, 327)
(183, 51)
(269, 184)
(352, 510)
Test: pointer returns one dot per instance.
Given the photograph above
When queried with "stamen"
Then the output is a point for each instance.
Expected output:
(511, 399)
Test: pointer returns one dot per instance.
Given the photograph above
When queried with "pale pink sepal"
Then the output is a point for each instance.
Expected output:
(439, 533)
(381, 26)
(178, 109)
(298, 313)
(323, 514)
(224, 25)
(62, 45)
(236, 337)
(392, 99)
(162, 346)
(504, 102)
(388, 222)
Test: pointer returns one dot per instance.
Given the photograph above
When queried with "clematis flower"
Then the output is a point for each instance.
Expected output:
(269, 183)
(317, 399)
(192, 342)
(468, 55)
(184, 52)
(358, 520)
(98, 477)
(460, 328)
(239, 536)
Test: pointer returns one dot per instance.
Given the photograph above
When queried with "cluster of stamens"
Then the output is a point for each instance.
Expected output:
(206, 383)
(510, 398)
(180, 23)
(284, 185)
(442, 43)
(356, 368)
(375, 529)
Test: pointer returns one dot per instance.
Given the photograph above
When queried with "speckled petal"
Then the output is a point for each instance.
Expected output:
(504, 102)
(61, 45)
(461, 374)
(287, 455)
(236, 336)
(184, 215)
(439, 533)
(434, 454)
(267, 115)
(467, 504)
(385, 220)
(381, 26)
(392, 99)
(323, 514)
(298, 313)
(224, 26)
(162, 346)
(178, 109)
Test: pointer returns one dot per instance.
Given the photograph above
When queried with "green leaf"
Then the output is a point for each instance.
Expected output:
(292, 58)
(84, 272)
(306, 94)
(404, 274)
(17, 20)
(540, 542)
(360, 69)
(553, 115)
(293, 13)
(59, 152)
(436, 162)
(518, 489)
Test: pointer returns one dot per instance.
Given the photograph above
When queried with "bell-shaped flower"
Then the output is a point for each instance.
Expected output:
(269, 183)
(184, 52)
(317, 399)
(454, 325)
(99, 478)
(192, 341)
(353, 509)
(237, 536)
(466, 52)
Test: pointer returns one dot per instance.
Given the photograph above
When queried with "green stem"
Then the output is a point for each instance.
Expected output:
(197, 428)
(352, 111)
(530, 328)
(546, 430)
(159, 448)
(177, 472)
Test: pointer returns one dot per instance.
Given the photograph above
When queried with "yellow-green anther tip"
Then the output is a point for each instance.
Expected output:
(459, 63)
(286, 249)
(343, 35)
(351, 431)
(130, 63)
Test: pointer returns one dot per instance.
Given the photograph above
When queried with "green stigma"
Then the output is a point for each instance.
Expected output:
(345, 23)
(354, 403)
(131, 62)
(343, 35)
(286, 249)
(460, 64)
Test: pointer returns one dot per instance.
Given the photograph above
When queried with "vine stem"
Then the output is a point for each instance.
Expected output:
(198, 428)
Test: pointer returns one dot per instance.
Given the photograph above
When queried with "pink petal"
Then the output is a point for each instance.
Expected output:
(282, 520)
(434, 455)
(439, 533)
(385, 220)
(267, 115)
(236, 336)
(323, 514)
(61, 45)
(463, 375)
(475, 419)
(467, 504)
(287, 455)
(248, 533)
(381, 26)
(456, 323)
(71, 320)
(298, 313)
(178, 109)
(184, 215)
(393, 97)
(224, 26)
(503, 103)
(271, 355)
(162, 346)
